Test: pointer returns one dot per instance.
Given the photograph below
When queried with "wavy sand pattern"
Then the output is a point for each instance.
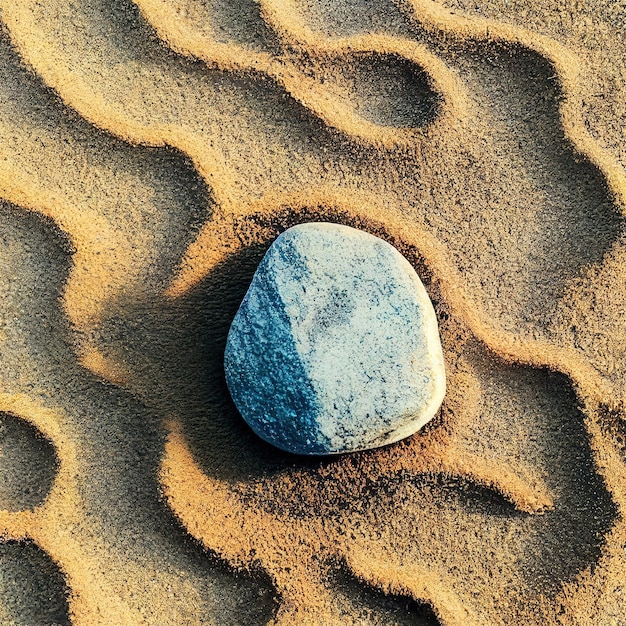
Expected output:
(150, 151)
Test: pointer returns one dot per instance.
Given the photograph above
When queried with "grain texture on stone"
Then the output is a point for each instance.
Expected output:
(335, 346)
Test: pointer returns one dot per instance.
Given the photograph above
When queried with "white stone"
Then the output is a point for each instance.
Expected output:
(335, 347)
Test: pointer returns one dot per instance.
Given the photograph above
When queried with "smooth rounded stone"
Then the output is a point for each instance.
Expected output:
(335, 346)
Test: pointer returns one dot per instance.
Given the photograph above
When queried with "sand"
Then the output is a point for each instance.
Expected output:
(150, 152)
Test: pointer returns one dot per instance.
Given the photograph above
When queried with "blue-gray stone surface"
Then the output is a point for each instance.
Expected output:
(335, 346)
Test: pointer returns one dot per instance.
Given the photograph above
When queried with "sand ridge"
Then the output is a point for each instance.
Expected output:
(507, 510)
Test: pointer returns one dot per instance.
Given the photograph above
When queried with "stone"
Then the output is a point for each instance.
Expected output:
(335, 347)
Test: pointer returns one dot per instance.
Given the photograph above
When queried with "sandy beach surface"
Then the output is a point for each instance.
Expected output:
(151, 151)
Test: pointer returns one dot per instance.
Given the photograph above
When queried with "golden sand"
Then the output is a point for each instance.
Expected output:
(150, 152)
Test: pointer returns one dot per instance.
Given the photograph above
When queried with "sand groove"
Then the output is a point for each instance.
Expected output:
(177, 143)
(432, 15)
(20, 446)
(316, 87)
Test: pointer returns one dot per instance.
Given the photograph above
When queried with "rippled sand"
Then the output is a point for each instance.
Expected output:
(150, 152)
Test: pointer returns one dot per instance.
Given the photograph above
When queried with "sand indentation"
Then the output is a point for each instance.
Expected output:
(384, 89)
(28, 465)
(32, 589)
(344, 19)
(224, 21)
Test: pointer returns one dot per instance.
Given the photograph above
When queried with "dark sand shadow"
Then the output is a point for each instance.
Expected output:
(28, 464)
(119, 443)
(32, 588)
(546, 212)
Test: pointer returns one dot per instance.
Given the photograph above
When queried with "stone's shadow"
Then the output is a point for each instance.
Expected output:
(189, 336)
(28, 464)
(175, 352)
(32, 588)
